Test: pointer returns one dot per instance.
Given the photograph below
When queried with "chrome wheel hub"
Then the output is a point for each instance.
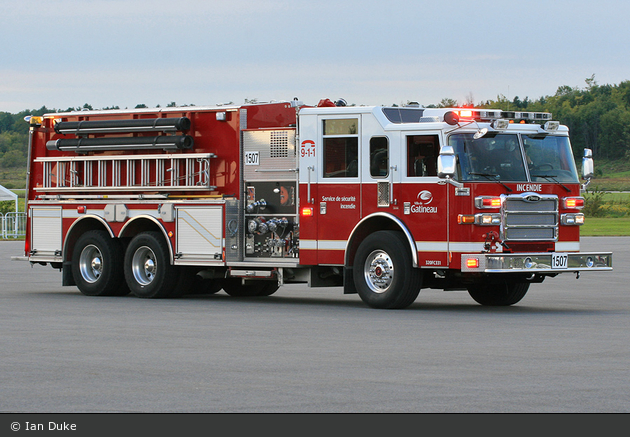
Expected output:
(91, 263)
(379, 271)
(144, 265)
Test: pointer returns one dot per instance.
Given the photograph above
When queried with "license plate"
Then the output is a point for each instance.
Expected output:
(559, 260)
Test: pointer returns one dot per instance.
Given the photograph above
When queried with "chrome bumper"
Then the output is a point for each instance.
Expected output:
(536, 262)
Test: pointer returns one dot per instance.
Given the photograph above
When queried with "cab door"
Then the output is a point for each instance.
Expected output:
(381, 170)
(339, 189)
(424, 197)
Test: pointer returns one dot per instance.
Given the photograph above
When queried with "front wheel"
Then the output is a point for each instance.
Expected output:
(148, 270)
(383, 272)
(502, 294)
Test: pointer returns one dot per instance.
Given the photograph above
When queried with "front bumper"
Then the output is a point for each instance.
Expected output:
(547, 262)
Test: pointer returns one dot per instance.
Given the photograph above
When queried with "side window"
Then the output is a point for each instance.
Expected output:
(379, 157)
(341, 148)
(422, 152)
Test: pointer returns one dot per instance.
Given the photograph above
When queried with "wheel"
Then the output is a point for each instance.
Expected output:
(383, 272)
(147, 266)
(235, 287)
(503, 294)
(268, 288)
(97, 265)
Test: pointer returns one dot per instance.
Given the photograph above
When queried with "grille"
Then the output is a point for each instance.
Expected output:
(383, 193)
(530, 217)
(279, 145)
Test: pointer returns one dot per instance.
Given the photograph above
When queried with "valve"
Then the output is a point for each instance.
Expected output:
(258, 205)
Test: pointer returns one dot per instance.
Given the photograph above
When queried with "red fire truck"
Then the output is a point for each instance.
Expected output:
(382, 201)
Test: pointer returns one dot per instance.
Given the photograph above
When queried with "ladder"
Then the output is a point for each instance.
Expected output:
(164, 172)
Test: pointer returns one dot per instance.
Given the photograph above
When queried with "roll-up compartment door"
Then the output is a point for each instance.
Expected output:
(199, 234)
(46, 231)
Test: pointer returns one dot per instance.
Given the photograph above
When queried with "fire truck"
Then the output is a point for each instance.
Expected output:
(379, 201)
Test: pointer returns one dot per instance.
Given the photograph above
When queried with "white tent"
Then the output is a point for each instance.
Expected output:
(6, 194)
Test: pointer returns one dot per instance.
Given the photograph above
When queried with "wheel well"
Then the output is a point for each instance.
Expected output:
(144, 224)
(141, 224)
(79, 228)
(130, 230)
(370, 224)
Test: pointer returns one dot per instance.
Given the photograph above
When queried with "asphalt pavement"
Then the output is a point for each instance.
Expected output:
(563, 348)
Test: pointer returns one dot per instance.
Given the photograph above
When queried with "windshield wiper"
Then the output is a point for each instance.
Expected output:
(490, 177)
(552, 178)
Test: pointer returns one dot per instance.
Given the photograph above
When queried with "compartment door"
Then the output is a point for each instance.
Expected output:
(199, 235)
(46, 233)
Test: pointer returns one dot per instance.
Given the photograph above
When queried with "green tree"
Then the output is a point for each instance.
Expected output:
(6, 121)
(12, 159)
(447, 103)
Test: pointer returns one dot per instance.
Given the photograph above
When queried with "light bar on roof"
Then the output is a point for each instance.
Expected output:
(495, 114)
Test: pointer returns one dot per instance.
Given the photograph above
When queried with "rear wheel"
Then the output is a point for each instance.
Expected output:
(147, 267)
(383, 271)
(97, 265)
(502, 294)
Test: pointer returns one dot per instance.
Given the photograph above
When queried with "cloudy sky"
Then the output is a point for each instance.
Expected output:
(64, 53)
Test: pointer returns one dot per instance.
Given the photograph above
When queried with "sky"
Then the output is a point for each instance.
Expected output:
(66, 53)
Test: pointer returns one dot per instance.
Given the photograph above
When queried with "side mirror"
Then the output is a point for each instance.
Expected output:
(447, 163)
(587, 164)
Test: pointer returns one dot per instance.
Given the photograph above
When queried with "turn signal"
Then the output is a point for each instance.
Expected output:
(465, 219)
(487, 202)
(573, 202)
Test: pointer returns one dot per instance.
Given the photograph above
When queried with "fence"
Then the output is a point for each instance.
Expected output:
(13, 225)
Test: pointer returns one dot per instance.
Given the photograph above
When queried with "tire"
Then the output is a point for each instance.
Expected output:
(383, 272)
(148, 268)
(502, 294)
(235, 287)
(268, 288)
(97, 265)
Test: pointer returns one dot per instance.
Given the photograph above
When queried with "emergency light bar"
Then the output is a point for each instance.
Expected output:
(135, 125)
(79, 145)
(456, 115)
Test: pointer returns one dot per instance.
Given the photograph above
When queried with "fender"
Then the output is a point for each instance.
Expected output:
(81, 219)
(160, 226)
(401, 225)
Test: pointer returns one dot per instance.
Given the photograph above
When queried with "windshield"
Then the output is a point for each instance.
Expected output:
(501, 158)
(551, 157)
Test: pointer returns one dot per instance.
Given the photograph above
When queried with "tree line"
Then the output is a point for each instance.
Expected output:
(598, 117)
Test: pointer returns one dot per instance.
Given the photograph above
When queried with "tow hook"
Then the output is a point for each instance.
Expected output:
(492, 238)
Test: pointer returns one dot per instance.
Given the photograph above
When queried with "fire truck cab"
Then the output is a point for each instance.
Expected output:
(382, 201)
